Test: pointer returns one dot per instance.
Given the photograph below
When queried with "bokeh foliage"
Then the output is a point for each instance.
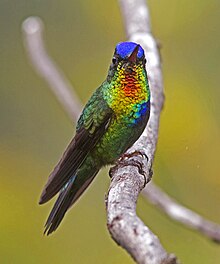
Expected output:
(81, 36)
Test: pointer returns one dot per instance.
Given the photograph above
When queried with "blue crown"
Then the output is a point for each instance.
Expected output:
(124, 49)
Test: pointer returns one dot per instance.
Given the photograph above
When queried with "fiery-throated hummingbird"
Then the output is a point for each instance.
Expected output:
(112, 120)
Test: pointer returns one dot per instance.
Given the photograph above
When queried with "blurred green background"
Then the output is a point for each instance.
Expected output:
(80, 36)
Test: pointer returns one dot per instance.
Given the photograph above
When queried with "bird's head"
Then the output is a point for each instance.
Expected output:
(128, 58)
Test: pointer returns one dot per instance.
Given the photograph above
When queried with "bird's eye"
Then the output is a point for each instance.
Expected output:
(114, 60)
(145, 61)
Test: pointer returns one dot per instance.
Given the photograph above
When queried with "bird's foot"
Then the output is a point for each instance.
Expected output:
(126, 160)
(133, 154)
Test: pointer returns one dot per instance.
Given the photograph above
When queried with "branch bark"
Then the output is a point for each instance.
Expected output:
(130, 175)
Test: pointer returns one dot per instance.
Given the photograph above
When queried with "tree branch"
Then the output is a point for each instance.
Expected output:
(130, 175)
(180, 213)
(32, 31)
(125, 227)
(137, 30)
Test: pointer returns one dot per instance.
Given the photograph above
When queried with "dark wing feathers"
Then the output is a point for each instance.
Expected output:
(67, 166)
(91, 127)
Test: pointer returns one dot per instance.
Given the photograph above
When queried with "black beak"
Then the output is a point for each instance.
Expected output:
(133, 56)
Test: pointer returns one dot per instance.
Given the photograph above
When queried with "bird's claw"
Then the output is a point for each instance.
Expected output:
(125, 160)
(133, 154)
(112, 170)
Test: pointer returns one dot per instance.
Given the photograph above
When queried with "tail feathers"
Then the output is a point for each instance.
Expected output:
(70, 193)
(58, 209)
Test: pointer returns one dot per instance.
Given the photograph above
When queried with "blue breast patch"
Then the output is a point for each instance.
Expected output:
(139, 113)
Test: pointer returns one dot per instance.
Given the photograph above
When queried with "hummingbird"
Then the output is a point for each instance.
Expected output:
(111, 121)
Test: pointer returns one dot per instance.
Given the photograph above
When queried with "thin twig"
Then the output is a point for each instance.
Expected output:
(47, 69)
(180, 213)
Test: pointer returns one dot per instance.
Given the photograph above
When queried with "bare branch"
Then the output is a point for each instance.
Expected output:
(137, 31)
(125, 227)
(180, 213)
(130, 175)
(47, 69)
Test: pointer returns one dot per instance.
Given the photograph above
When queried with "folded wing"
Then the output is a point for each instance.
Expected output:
(91, 126)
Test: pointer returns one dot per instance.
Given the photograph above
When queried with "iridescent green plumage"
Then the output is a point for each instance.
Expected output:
(112, 120)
